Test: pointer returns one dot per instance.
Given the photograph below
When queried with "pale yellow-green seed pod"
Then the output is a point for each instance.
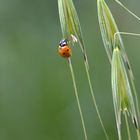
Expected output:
(109, 32)
(70, 25)
(121, 90)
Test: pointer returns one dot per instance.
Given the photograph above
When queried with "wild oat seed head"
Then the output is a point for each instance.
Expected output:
(110, 33)
(70, 25)
(121, 90)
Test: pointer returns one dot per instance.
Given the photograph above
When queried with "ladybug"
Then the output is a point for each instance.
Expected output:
(64, 50)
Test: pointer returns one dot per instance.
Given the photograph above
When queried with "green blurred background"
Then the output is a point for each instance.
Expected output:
(37, 100)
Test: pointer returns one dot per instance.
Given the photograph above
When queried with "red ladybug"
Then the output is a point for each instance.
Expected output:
(64, 49)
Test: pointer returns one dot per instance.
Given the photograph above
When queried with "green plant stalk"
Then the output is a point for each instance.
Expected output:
(138, 134)
(77, 99)
(127, 126)
(134, 15)
(94, 101)
(93, 97)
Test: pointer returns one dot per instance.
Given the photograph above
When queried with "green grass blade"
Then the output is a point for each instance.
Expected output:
(77, 99)
(95, 104)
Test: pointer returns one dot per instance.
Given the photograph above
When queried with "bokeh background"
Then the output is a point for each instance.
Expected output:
(37, 100)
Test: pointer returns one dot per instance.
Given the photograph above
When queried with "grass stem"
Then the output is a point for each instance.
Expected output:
(127, 126)
(94, 101)
(134, 15)
(138, 134)
(77, 99)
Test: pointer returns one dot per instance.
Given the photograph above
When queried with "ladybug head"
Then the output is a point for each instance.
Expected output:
(63, 42)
